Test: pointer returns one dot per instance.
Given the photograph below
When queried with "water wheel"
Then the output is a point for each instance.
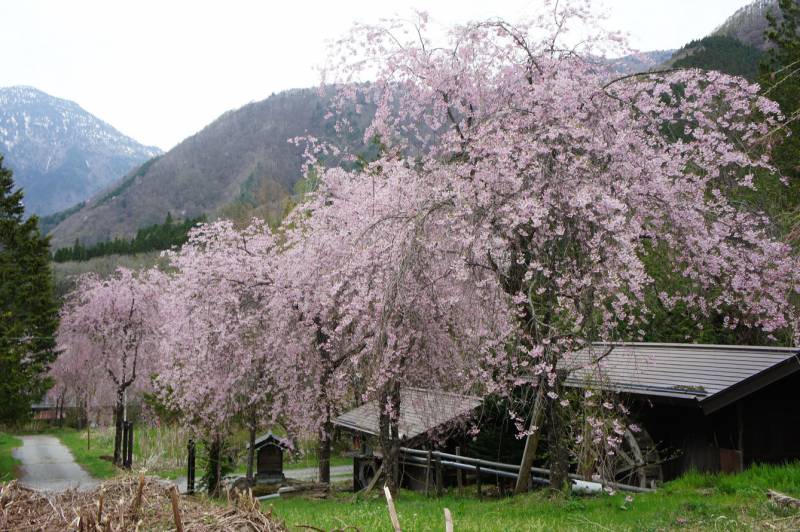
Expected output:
(638, 461)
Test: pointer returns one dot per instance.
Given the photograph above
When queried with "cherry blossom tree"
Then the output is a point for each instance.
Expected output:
(80, 381)
(216, 360)
(385, 299)
(559, 179)
(116, 321)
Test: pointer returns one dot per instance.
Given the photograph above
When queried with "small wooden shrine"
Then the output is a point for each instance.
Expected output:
(269, 459)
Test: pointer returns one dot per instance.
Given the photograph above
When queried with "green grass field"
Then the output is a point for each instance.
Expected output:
(694, 502)
(7, 461)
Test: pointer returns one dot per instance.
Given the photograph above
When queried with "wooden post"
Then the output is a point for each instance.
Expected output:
(459, 474)
(176, 509)
(448, 521)
(190, 468)
(532, 441)
(100, 509)
(478, 480)
(439, 479)
(137, 500)
(392, 511)
(428, 475)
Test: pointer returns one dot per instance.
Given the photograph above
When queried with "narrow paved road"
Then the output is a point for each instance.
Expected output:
(343, 472)
(48, 465)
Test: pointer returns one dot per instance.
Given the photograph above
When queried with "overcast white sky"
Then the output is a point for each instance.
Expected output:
(160, 70)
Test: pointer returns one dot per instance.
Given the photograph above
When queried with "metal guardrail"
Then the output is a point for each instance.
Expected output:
(480, 467)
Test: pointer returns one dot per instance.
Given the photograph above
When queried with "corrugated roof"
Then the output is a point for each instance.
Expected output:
(704, 373)
(420, 411)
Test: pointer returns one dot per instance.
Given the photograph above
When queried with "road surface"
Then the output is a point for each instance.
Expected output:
(48, 466)
(338, 473)
(343, 472)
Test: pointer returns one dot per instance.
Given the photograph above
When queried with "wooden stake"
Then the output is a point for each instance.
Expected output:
(448, 521)
(392, 511)
(100, 509)
(176, 509)
(137, 500)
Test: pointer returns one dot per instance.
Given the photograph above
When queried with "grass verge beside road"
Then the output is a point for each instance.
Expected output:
(693, 502)
(8, 464)
(89, 457)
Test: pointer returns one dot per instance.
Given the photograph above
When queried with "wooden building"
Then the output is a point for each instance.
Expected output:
(705, 407)
(425, 415)
(709, 408)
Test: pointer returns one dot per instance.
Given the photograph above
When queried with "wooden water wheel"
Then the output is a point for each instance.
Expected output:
(638, 461)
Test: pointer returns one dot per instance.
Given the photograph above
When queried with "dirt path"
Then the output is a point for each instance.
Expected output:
(48, 465)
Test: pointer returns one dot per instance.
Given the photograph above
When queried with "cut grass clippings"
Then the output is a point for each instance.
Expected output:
(8, 464)
(693, 502)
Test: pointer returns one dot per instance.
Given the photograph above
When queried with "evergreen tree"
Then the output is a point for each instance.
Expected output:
(28, 309)
(780, 78)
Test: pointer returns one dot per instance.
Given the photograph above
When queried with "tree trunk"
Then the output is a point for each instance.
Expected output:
(532, 441)
(390, 434)
(251, 451)
(118, 415)
(557, 438)
(214, 471)
(324, 450)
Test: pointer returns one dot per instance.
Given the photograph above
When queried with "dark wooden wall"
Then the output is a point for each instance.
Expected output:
(770, 424)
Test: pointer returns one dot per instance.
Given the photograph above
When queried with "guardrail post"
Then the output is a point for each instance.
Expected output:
(478, 481)
(428, 475)
(459, 474)
(439, 479)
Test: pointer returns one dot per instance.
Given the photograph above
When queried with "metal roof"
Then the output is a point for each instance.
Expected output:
(420, 411)
(712, 375)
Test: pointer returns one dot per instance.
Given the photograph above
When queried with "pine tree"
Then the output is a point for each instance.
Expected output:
(780, 78)
(28, 309)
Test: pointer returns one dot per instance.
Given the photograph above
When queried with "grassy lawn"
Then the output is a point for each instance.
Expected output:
(7, 462)
(694, 502)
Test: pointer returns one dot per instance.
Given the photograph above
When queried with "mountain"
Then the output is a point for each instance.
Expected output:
(238, 166)
(719, 52)
(749, 23)
(641, 62)
(735, 47)
(61, 154)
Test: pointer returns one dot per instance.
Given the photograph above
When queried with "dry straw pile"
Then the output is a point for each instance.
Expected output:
(127, 503)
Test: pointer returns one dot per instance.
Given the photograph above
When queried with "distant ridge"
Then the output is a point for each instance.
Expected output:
(60, 153)
(241, 164)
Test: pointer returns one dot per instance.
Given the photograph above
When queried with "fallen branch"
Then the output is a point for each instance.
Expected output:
(782, 500)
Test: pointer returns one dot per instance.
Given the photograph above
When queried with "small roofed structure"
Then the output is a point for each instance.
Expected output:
(706, 407)
(424, 414)
(421, 411)
(269, 458)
